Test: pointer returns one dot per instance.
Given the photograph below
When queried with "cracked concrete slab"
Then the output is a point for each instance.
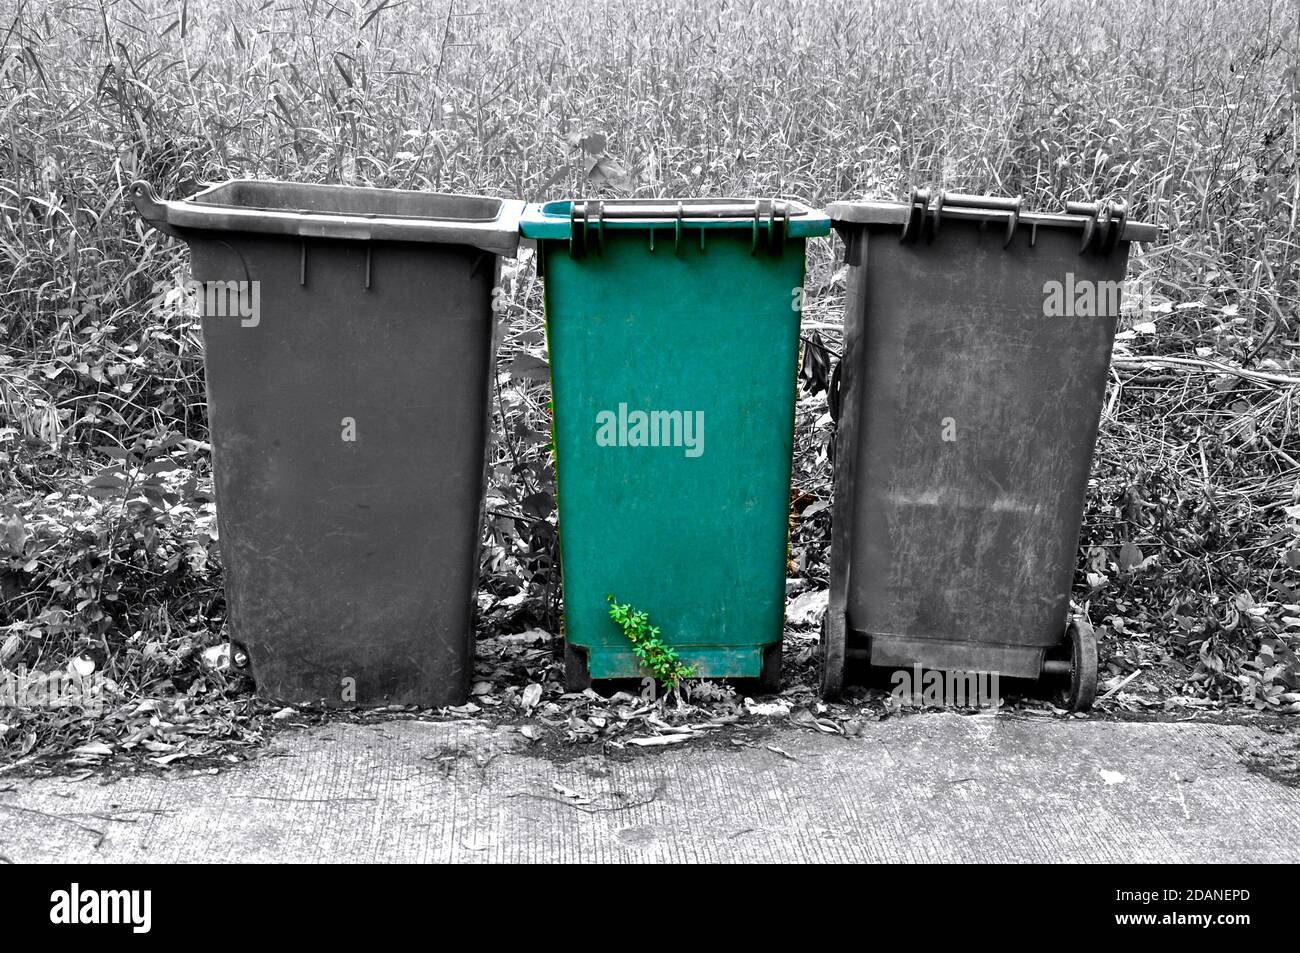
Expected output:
(922, 788)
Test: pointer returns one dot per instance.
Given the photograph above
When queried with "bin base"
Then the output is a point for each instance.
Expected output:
(757, 664)
(1075, 659)
(1011, 661)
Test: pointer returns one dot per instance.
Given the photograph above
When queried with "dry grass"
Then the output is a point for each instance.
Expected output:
(1187, 108)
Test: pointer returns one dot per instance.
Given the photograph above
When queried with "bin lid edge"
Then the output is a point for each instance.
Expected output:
(867, 212)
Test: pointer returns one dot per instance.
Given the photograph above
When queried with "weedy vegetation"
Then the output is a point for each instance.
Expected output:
(1186, 108)
(655, 655)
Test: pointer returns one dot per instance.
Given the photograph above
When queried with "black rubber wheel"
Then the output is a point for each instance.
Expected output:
(833, 655)
(1083, 665)
(577, 676)
(769, 680)
(833, 393)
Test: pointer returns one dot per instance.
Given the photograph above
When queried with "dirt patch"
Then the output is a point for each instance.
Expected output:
(1278, 759)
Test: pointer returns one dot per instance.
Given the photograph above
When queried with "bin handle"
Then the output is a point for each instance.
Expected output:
(1118, 219)
(151, 208)
(582, 219)
(600, 227)
(916, 211)
(940, 197)
(668, 210)
(779, 227)
(926, 209)
(1104, 225)
(182, 219)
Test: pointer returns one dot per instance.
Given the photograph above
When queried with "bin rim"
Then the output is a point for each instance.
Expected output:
(543, 220)
(874, 212)
(497, 233)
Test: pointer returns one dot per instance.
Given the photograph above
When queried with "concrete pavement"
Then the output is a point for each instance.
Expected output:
(935, 787)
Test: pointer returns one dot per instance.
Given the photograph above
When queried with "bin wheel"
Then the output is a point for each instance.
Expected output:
(577, 676)
(769, 678)
(833, 657)
(1083, 665)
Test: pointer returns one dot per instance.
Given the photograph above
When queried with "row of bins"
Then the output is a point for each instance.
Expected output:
(350, 338)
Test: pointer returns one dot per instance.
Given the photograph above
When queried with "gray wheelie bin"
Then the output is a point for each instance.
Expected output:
(977, 344)
(348, 344)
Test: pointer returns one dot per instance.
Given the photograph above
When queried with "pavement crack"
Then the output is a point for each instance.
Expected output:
(99, 835)
(587, 808)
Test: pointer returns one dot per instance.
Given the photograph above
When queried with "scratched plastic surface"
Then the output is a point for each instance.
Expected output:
(698, 540)
(350, 564)
(962, 550)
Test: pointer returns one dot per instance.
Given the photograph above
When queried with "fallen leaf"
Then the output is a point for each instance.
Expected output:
(808, 608)
(766, 709)
(532, 694)
(1130, 555)
(216, 658)
(781, 751)
(569, 793)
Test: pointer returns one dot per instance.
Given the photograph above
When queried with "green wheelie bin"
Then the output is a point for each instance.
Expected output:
(348, 345)
(977, 341)
(673, 333)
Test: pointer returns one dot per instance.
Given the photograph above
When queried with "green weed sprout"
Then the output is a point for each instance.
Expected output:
(653, 653)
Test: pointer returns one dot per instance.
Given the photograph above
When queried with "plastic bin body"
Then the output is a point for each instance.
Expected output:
(349, 427)
(699, 319)
(968, 415)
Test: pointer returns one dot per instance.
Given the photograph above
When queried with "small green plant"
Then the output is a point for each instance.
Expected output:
(710, 693)
(660, 659)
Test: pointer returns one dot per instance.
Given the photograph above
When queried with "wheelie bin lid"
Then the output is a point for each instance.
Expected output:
(1104, 221)
(557, 219)
(350, 213)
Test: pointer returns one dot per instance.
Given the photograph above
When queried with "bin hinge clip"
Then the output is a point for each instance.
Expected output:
(925, 211)
(586, 220)
(1104, 225)
(773, 216)
(769, 220)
